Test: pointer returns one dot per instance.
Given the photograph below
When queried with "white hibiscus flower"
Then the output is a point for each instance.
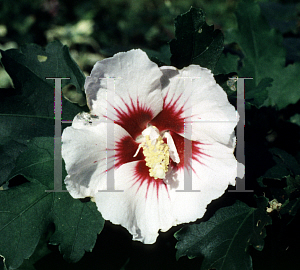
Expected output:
(156, 130)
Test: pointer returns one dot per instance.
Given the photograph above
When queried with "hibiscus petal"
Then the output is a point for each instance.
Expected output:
(133, 98)
(143, 208)
(172, 147)
(192, 96)
(212, 169)
(85, 148)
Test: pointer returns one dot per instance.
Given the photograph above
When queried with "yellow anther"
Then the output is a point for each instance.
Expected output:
(156, 157)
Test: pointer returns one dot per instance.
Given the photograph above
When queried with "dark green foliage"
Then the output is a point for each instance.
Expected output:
(224, 239)
(27, 211)
(195, 42)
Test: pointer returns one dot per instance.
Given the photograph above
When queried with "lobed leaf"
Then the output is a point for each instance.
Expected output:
(27, 210)
(195, 42)
(227, 63)
(283, 181)
(35, 62)
(264, 57)
(30, 113)
(224, 239)
(286, 165)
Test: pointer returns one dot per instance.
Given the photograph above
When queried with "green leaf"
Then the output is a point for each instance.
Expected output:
(295, 119)
(29, 74)
(27, 210)
(285, 89)
(33, 61)
(292, 204)
(195, 42)
(20, 121)
(161, 57)
(281, 16)
(9, 151)
(37, 163)
(291, 207)
(259, 94)
(224, 239)
(227, 63)
(264, 57)
(287, 160)
(293, 183)
(286, 173)
(30, 112)
(286, 165)
(41, 251)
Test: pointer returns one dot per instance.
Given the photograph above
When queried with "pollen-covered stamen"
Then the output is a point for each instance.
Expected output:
(156, 156)
(157, 153)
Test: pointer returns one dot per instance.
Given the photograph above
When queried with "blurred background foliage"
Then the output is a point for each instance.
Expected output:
(95, 29)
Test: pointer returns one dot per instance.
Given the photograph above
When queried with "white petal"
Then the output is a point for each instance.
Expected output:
(172, 148)
(216, 170)
(141, 210)
(203, 102)
(84, 150)
(136, 88)
(152, 132)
